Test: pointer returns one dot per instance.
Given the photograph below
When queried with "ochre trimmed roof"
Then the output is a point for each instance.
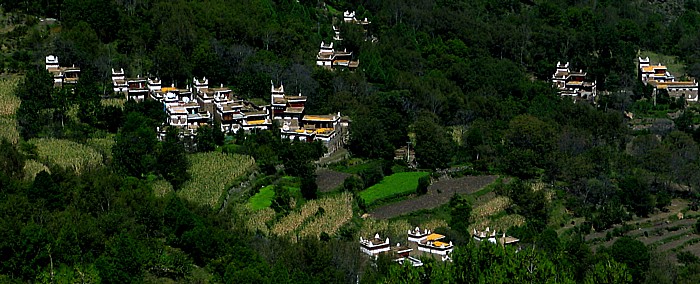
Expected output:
(652, 68)
(256, 122)
(434, 237)
(319, 117)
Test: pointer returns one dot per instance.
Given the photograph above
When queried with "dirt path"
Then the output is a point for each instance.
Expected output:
(438, 194)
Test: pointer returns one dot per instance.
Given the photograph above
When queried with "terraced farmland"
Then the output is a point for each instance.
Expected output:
(211, 174)
(8, 106)
(439, 193)
(66, 154)
(326, 214)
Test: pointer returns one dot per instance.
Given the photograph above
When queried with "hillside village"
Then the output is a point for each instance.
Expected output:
(172, 141)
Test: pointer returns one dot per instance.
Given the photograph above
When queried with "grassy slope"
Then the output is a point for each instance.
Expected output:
(263, 199)
(395, 184)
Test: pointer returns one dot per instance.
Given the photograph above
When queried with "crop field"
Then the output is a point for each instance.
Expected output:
(439, 193)
(211, 174)
(337, 210)
(66, 154)
(113, 102)
(263, 199)
(161, 187)
(385, 228)
(662, 231)
(327, 180)
(491, 207)
(9, 103)
(32, 168)
(310, 221)
(499, 224)
(396, 184)
(8, 129)
(489, 210)
(8, 106)
(102, 145)
(257, 220)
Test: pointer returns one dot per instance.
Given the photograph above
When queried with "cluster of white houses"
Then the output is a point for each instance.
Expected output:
(493, 237)
(572, 83)
(330, 58)
(192, 107)
(62, 75)
(349, 17)
(424, 240)
(660, 78)
(427, 243)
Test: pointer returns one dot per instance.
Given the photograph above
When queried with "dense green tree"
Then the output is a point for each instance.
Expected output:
(36, 92)
(353, 183)
(368, 138)
(281, 200)
(632, 253)
(607, 270)
(460, 212)
(103, 17)
(87, 95)
(11, 160)
(309, 188)
(637, 195)
(204, 140)
(123, 261)
(172, 159)
(433, 144)
(423, 184)
(134, 148)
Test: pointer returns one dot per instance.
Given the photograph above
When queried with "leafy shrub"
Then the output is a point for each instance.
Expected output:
(423, 183)
(686, 258)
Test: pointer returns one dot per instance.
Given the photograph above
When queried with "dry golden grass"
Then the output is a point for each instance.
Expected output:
(211, 174)
(434, 224)
(372, 226)
(8, 129)
(114, 102)
(491, 207)
(102, 145)
(500, 225)
(257, 220)
(399, 228)
(295, 219)
(66, 154)
(483, 215)
(309, 222)
(337, 211)
(9, 103)
(32, 168)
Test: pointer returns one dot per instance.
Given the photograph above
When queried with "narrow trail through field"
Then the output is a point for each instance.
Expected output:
(438, 194)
